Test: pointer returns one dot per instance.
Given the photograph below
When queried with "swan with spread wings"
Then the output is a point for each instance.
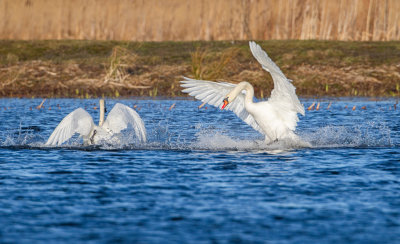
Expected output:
(79, 121)
(275, 118)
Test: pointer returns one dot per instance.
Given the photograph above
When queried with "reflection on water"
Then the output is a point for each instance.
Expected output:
(203, 176)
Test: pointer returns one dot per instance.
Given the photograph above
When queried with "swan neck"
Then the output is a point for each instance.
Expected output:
(102, 110)
(240, 87)
(249, 93)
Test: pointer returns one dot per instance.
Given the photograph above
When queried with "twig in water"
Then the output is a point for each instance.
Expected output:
(311, 106)
(41, 104)
(329, 105)
(201, 105)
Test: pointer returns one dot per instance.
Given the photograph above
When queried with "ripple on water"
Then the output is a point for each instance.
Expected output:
(200, 180)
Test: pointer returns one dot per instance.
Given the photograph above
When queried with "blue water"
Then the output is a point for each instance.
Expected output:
(203, 177)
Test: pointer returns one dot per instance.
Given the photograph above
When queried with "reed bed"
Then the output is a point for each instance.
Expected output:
(186, 20)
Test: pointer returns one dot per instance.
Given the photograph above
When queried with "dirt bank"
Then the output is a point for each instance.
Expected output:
(108, 68)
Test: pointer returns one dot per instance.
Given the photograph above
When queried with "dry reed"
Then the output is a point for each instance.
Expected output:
(154, 20)
(204, 65)
(117, 74)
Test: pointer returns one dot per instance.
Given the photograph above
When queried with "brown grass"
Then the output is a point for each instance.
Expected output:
(155, 20)
(92, 69)
(210, 66)
(117, 73)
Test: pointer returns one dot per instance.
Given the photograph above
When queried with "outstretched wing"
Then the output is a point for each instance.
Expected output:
(214, 93)
(121, 116)
(78, 121)
(283, 96)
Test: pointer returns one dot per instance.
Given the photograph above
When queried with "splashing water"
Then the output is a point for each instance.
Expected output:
(370, 134)
(169, 130)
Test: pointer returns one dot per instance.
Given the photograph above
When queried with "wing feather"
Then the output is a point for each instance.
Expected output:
(121, 116)
(78, 121)
(214, 93)
(284, 93)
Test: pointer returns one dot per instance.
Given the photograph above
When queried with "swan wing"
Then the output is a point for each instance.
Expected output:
(121, 116)
(214, 93)
(78, 121)
(283, 96)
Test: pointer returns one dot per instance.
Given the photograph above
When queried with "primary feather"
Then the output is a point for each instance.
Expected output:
(78, 121)
(284, 93)
(121, 116)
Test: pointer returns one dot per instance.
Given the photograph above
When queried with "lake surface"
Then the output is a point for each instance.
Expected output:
(204, 176)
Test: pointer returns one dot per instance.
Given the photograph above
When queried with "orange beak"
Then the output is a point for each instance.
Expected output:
(225, 103)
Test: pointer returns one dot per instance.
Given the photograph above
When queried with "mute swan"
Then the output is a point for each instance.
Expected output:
(80, 121)
(276, 118)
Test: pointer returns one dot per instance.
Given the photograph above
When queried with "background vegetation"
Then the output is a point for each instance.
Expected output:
(91, 48)
(187, 20)
(110, 68)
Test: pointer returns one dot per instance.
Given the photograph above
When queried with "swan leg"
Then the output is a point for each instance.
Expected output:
(91, 140)
(269, 141)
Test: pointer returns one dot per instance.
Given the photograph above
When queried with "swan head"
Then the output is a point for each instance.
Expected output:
(231, 96)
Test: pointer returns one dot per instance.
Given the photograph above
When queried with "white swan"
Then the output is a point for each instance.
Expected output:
(79, 121)
(275, 118)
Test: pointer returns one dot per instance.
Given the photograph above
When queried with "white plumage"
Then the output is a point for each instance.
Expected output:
(79, 121)
(276, 118)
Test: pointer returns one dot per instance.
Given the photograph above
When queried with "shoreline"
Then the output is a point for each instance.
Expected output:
(90, 69)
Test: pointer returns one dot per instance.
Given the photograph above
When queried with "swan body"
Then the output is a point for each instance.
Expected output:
(275, 118)
(79, 121)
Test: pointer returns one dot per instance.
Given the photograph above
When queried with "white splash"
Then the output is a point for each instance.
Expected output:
(369, 134)
(216, 140)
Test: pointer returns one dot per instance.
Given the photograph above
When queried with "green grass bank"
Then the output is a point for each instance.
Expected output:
(87, 69)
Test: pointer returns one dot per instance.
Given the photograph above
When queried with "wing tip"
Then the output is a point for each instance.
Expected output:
(186, 80)
(252, 43)
(254, 47)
